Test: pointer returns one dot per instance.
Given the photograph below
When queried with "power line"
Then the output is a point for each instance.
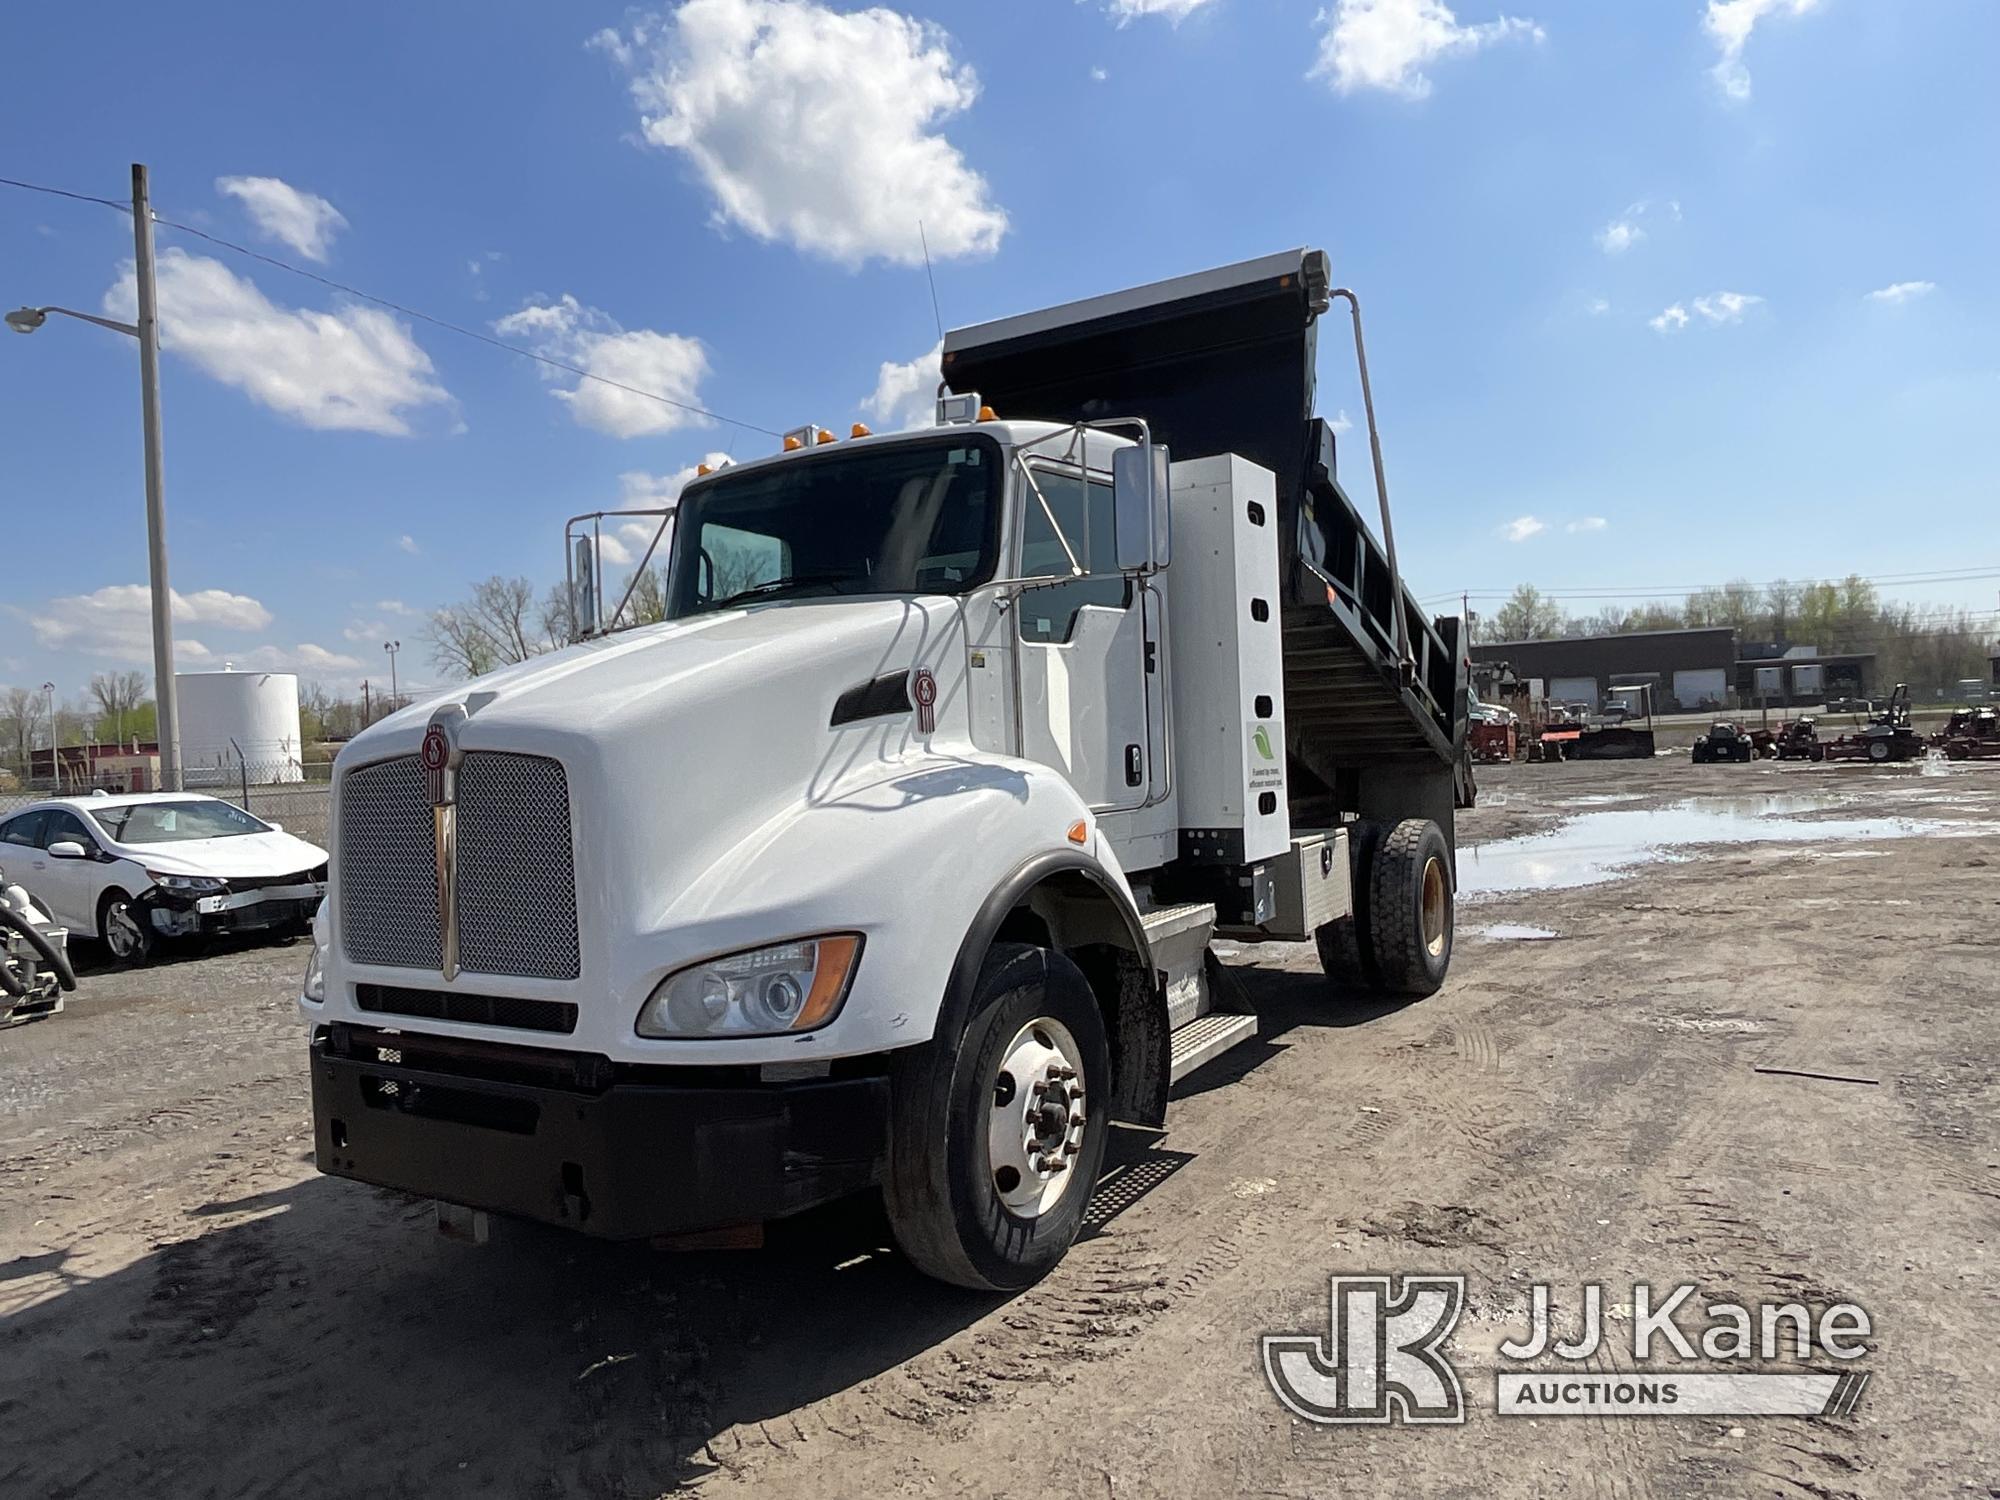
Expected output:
(56, 192)
(398, 307)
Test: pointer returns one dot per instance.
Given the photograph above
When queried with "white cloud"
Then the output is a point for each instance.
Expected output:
(1522, 527)
(1386, 44)
(905, 394)
(396, 607)
(408, 543)
(667, 364)
(116, 621)
(1716, 310)
(1619, 236)
(1726, 307)
(1098, 75)
(356, 369)
(1729, 24)
(1597, 307)
(1341, 422)
(1900, 292)
(1176, 11)
(281, 212)
(815, 127)
(1587, 523)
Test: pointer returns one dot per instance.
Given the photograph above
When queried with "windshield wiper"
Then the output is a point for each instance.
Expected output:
(771, 587)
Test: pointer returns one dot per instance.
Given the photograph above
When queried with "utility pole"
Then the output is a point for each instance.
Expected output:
(392, 647)
(367, 714)
(166, 699)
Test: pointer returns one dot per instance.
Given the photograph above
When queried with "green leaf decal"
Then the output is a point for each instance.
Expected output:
(1262, 740)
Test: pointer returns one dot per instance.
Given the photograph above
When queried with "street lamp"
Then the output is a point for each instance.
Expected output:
(392, 647)
(147, 332)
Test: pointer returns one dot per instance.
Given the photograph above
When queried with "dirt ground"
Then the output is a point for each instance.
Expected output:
(187, 1309)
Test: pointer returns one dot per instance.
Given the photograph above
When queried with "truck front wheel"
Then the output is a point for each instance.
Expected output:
(998, 1133)
(1410, 915)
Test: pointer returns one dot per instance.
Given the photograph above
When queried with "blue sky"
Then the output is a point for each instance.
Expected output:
(1659, 293)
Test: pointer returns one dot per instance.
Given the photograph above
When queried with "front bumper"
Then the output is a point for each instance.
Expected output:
(184, 914)
(572, 1139)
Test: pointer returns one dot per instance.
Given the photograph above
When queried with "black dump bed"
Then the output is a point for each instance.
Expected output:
(1224, 362)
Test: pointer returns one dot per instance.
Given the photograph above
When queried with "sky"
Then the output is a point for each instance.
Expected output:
(1659, 293)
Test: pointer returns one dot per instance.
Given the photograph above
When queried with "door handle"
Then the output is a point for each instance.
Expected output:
(1135, 765)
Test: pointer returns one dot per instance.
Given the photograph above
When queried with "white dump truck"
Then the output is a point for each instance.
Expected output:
(891, 858)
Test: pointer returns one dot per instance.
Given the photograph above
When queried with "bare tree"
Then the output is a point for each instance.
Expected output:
(117, 694)
(502, 622)
(1526, 616)
(21, 719)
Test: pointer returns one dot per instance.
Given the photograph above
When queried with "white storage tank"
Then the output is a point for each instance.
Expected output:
(257, 711)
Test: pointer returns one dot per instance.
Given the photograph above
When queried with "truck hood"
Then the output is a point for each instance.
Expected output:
(681, 741)
(637, 676)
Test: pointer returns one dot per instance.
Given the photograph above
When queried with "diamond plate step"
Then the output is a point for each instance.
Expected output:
(1208, 1037)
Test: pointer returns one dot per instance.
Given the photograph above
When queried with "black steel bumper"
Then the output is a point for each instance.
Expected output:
(569, 1139)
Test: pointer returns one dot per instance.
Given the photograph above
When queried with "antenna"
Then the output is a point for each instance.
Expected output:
(924, 240)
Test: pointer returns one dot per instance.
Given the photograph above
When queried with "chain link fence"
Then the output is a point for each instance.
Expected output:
(284, 792)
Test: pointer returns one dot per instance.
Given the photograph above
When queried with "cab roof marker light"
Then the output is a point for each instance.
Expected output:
(801, 437)
(860, 429)
(825, 437)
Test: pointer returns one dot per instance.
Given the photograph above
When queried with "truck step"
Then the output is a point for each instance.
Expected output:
(1179, 936)
(1208, 1037)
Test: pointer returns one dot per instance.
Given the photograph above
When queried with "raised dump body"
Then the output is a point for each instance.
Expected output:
(1224, 362)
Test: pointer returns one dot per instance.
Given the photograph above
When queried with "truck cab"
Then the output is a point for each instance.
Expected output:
(891, 856)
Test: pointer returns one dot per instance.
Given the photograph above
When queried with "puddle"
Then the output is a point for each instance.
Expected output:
(1599, 846)
(1513, 932)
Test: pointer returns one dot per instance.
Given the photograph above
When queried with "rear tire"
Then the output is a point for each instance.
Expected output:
(969, 1200)
(1880, 751)
(1410, 916)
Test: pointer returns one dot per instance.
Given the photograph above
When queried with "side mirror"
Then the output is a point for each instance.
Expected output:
(583, 608)
(274, 827)
(1140, 509)
(68, 849)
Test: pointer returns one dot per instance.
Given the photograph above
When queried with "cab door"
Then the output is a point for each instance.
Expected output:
(1081, 645)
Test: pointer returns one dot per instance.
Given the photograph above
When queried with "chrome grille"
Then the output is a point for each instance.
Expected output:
(516, 877)
(388, 867)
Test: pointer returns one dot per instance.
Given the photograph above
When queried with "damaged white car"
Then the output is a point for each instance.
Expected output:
(134, 869)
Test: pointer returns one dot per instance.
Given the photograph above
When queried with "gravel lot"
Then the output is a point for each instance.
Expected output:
(186, 1308)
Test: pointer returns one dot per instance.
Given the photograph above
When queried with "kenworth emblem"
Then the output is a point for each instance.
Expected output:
(441, 757)
(923, 688)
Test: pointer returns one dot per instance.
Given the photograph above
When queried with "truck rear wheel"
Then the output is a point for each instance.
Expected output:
(1410, 916)
(998, 1133)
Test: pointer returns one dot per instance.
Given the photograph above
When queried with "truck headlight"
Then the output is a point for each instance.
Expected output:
(763, 992)
(314, 988)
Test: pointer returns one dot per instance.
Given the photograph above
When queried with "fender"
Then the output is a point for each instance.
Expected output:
(1140, 1042)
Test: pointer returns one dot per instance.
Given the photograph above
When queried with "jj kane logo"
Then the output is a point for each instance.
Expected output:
(1382, 1357)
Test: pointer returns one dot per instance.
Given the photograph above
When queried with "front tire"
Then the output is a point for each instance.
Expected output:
(998, 1133)
(1410, 909)
(123, 928)
(1880, 751)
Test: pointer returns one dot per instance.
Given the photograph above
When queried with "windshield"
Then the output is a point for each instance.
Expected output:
(911, 518)
(175, 822)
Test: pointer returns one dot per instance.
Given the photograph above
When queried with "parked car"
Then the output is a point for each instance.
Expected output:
(131, 870)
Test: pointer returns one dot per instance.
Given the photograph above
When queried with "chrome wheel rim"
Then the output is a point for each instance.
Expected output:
(1038, 1117)
(1436, 907)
